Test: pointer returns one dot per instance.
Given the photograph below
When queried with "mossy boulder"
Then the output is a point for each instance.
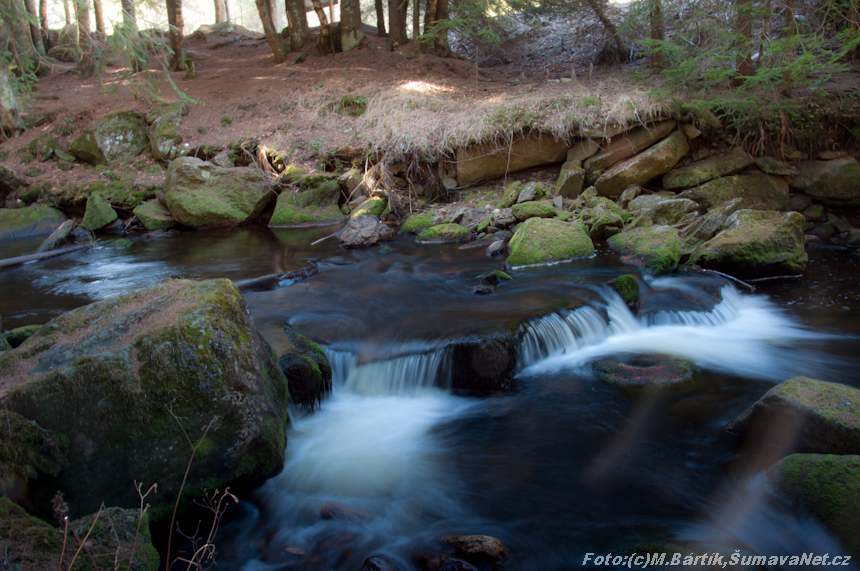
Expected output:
(814, 213)
(444, 233)
(512, 193)
(202, 195)
(21, 334)
(826, 486)
(154, 215)
(419, 222)
(570, 179)
(373, 206)
(834, 183)
(755, 243)
(308, 370)
(313, 205)
(29, 543)
(18, 223)
(657, 247)
(606, 225)
(165, 131)
(815, 416)
(770, 165)
(533, 209)
(99, 213)
(703, 171)
(27, 451)
(669, 212)
(626, 286)
(644, 167)
(117, 137)
(707, 226)
(757, 191)
(108, 378)
(624, 147)
(542, 241)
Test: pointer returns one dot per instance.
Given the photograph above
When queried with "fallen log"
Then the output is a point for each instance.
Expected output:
(56, 237)
(8, 262)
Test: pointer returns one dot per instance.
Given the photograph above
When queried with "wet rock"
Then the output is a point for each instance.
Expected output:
(483, 364)
(342, 513)
(496, 248)
(534, 209)
(445, 233)
(755, 243)
(800, 202)
(57, 237)
(758, 191)
(658, 247)
(115, 138)
(644, 371)
(486, 162)
(541, 241)
(441, 562)
(307, 382)
(624, 147)
(18, 223)
(488, 240)
(644, 167)
(417, 223)
(707, 226)
(99, 213)
(476, 548)
(833, 183)
(483, 289)
(154, 215)
(377, 563)
(164, 128)
(826, 486)
(202, 195)
(776, 167)
(571, 179)
(813, 416)
(703, 171)
(315, 204)
(20, 334)
(365, 231)
(493, 278)
(108, 375)
(626, 286)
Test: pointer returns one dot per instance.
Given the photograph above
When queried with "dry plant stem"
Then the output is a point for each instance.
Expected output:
(184, 477)
(86, 537)
(143, 509)
(65, 537)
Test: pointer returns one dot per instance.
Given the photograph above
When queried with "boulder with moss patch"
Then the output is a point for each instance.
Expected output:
(571, 179)
(373, 206)
(826, 486)
(707, 170)
(707, 226)
(834, 183)
(670, 212)
(445, 233)
(314, 206)
(164, 128)
(99, 213)
(307, 368)
(815, 416)
(18, 223)
(624, 147)
(756, 190)
(626, 286)
(542, 241)
(29, 543)
(533, 209)
(202, 195)
(755, 243)
(154, 215)
(512, 193)
(419, 222)
(21, 334)
(644, 167)
(27, 451)
(658, 247)
(109, 377)
(117, 137)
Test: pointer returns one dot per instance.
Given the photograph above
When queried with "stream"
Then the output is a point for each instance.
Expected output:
(564, 464)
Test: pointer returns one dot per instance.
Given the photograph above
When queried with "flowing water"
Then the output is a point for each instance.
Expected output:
(561, 466)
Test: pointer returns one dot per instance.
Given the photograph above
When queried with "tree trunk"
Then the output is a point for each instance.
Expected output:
(68, 12)
(416, 19)
(441, 40)
(227, 10)
(273, 12)
(269, 28)
(297, 20)
(100, 17)
(129, 16)
(324, 46)
(658, 34)
(43, 19)
(397, 21)
(351, 30)
(744, 25)
(11, 124)
(380, 18)
(35, 34)
(86, 66)
(24, 50)
(597, 6)
(790, 30)
(429, 15)
(220, 11)
(174, 19)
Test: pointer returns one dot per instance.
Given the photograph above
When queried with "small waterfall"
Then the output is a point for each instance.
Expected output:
(402, 375)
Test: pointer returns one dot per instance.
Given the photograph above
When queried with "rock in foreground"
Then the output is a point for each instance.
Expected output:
(542, 241)
(657, 247)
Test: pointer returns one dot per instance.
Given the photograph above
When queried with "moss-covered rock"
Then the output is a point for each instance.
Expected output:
(444, 233)
(27, 452)
(814, 213)
(755, 243)
(99, 213)
(17, 223)
(308, 370)
(706, 170)
(418, 222)
(154, 215)
(815, 416)
(29, 543)
(114, 536)
(707, 226)
(644, 167)
(542, 241)
(533, 209)
(826, 486)
(107, 378)
(202, 195)
(627, 286)
(670, 212)
(164, 128)
(606, 225)
(570, 179)
(658, 247)
(776, 167)
(512, 193)
(314, 205)
(624, 147)
(21, 334)
(757, 191)
(834, 183)
(117, 137)
(373, 206)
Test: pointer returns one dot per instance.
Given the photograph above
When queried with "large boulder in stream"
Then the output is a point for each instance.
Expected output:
(757, 191)
(202, 195)
(117, 378)
(756, 243)
(483, 364)
(826, 486)
(812, 416)
(548, 240)
(18, 223)
(658, 248)
(117, 137)
(835, 183)
(315, 204)
(365, 231)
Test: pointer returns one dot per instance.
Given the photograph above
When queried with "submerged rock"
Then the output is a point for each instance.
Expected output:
(657, 247)
(646, 373)
(541, 241)
(483, 364)
(814, 416)
(441, 562)
(476, 548)
(111, 375)
(755, 243)
(342, 513)
(826, 486)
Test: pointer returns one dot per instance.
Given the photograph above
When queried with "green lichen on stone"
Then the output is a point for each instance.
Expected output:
(826, 486)
(28, 541)
(541, 241)
(417, 223)
(28, 451)
(17, 336)
(99, 213)
(512, 192)
(627, 286)
(658, 247)
(373, 206)
(443, 233)
(16, 223)
(289, 213)
(116, 137)
(757, 191)
(154, 215)
(533, 209)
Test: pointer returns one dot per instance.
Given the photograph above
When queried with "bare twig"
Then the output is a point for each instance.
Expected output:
(83, 543)
(152, 488)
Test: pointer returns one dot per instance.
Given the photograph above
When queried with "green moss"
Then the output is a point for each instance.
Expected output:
(28, 541)
(512, 192)
(289, 214)
(627, 286)
(443, 233)
(417, 222)
(756, 190)
(99, 213)
(154, 215)
(28, 450)
(659, 247)
(541, 241)
(650, 374)
(533, 209)
(29, 221)
(373, 206)
(350, 105)
(17, 336)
